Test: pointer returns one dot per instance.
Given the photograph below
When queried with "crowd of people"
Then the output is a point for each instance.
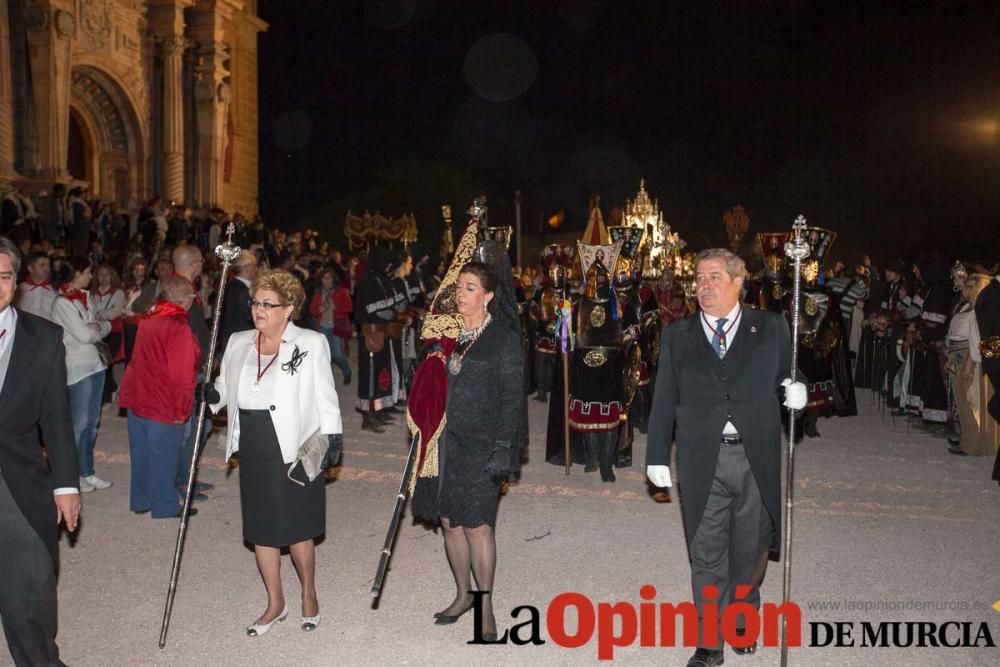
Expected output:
(132, 300)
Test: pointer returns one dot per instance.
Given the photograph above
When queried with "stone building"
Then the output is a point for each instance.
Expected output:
(134, 98)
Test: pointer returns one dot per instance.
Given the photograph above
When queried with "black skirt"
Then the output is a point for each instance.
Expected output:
(277, 512)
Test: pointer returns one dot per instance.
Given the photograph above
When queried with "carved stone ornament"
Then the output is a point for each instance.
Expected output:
(95, 17)
(597, 317)
(65, 24)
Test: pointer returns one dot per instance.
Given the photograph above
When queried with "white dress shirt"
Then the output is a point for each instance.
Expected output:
(35, 299)
(708, 325)
(8, 320)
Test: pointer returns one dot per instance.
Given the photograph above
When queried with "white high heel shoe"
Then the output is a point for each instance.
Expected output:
(310, 623)
(258, 629)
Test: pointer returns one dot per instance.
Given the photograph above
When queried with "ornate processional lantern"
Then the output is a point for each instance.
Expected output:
(661, 246)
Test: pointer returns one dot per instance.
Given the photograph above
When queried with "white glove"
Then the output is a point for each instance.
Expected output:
(659, 476)
(795, 394)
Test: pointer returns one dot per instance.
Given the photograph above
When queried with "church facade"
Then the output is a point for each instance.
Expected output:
(132, 98)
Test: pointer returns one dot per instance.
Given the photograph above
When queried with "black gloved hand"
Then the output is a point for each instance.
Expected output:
(332, 457)
(205, 391)
(499, 465)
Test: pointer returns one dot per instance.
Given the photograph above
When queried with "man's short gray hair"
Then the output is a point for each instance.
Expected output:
(735, 267)
(8, 248)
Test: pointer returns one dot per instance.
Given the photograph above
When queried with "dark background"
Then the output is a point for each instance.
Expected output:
(875, 119)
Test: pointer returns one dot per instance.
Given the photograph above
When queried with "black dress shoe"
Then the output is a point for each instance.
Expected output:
(705, 657)
(958, 451)
(369, 423)
(745, 650)
(441, 618)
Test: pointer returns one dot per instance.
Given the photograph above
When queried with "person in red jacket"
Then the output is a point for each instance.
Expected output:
(158, 392)
(331, 308)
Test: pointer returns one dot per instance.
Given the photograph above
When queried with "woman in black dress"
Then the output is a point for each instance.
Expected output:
(481, 442)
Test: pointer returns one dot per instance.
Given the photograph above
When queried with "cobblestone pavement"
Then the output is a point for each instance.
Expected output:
(885, 519)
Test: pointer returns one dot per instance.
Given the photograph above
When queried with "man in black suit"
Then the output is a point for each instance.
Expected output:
(720, 379)
(988, 321)
(236, 314)
(33, 396)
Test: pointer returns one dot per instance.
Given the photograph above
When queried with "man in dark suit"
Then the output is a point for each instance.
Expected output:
(33, 396)
(719, 383)
(988, 321)
(236, 314)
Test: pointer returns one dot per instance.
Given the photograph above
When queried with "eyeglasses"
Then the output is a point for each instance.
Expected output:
(264, 304)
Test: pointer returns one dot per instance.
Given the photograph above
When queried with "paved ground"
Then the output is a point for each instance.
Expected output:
(884, 517)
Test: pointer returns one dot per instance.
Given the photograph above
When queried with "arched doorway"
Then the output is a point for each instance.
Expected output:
(81, 149)
(105, 142)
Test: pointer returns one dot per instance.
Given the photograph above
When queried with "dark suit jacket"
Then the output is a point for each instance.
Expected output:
(34, 397)
(697, 392)
(988, 319)
(236, 314)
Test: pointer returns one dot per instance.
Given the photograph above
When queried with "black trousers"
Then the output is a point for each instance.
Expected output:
(994, 409)
(27, 588)
(730, 545)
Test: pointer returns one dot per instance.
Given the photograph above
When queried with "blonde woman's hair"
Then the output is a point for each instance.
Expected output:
(974, 284)
(284, 284)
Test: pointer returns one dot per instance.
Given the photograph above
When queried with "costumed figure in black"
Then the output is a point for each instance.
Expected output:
(398, 330)
(876, 367)
(468, 408)
(929, 390)
(636, 344)
(420, 292)
(374, 309)
(823, 344)
(555, 259)
(597, 406)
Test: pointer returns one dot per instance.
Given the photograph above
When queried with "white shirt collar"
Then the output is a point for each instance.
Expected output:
(8, 320)
(243, 280)
(730, 316)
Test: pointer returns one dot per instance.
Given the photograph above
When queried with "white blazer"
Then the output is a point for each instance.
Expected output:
(304, 401)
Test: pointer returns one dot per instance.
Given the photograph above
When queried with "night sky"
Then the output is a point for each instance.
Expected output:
(875, 119)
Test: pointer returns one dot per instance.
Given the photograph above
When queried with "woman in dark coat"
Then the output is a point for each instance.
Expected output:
(482, 438)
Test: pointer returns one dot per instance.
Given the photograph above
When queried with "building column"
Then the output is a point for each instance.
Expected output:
(212, 96)
(6, 99)
(50, 29)
(173, 117)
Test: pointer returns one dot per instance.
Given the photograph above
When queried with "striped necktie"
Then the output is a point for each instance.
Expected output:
(719, 339)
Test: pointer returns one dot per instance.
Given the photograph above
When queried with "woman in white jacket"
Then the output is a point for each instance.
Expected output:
(277, 386)
(73, 311)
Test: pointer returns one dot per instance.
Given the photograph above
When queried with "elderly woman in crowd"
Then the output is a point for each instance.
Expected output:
(73, 311)
(158, 392)
(330, 309)
(277, 384)
(108, 301)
